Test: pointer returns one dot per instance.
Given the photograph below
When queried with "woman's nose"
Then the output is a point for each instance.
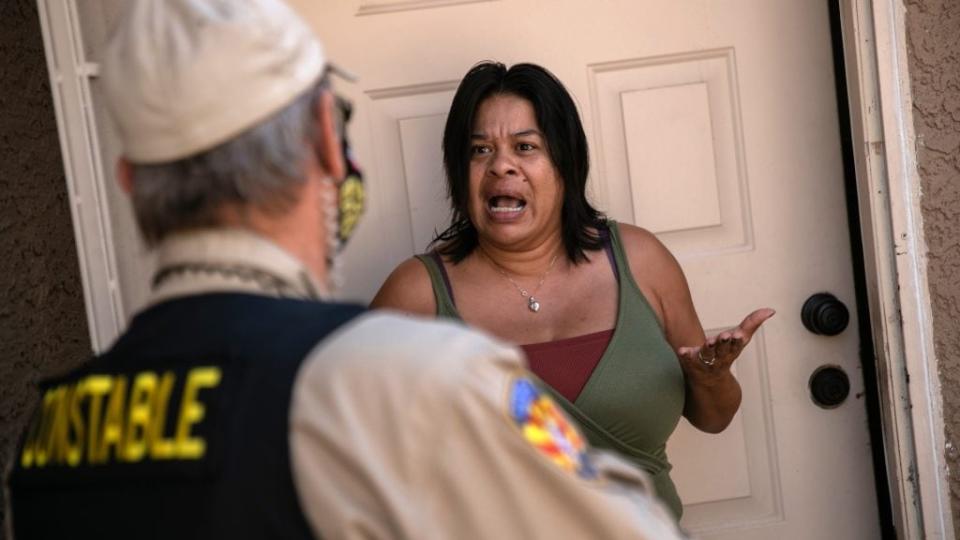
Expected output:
(502, 164)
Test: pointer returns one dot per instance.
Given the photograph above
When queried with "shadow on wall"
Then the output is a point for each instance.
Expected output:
(43, 326)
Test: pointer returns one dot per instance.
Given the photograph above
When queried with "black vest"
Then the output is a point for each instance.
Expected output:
(179, 431)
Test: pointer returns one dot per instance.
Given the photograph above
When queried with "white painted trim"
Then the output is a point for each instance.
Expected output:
(895, 253)
(911, 256)
(70, 75)
(879, 262)
(372, 7)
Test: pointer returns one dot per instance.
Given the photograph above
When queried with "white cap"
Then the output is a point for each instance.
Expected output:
(183, 76)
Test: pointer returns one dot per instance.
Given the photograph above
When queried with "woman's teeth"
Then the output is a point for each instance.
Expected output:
(502, 205)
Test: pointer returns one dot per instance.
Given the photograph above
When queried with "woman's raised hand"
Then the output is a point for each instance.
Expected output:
(717, 354)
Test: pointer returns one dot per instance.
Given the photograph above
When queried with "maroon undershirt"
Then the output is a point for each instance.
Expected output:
(566, 364)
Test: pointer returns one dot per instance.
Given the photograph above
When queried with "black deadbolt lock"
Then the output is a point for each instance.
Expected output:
(823, 314)
(829, 386)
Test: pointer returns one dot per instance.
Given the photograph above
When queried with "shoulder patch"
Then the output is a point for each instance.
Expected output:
(548, 429)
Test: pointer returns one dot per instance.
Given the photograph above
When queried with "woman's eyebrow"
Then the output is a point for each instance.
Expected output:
(522, 133)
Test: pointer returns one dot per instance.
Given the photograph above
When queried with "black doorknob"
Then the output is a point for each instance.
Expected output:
(829, 386)
(823, 314)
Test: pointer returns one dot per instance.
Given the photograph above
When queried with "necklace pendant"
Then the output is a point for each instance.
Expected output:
(533, 304)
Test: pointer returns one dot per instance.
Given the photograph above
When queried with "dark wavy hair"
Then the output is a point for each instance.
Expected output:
(557, 119)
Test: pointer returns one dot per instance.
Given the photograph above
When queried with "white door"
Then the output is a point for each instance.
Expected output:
(712, 124)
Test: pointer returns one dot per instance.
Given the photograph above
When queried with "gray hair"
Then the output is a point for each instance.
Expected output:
(261, 167)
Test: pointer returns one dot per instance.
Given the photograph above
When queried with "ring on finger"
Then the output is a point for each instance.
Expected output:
(706, 361)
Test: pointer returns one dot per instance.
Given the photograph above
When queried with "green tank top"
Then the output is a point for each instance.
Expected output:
(634, 398)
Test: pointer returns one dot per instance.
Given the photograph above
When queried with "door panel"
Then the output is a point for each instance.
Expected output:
(670, 147)
(711, 124)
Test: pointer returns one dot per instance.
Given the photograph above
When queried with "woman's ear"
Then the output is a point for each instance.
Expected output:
(328, 145)
(125, 175)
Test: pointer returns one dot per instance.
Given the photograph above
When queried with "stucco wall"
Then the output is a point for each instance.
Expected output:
(43, 327)
(933, 35)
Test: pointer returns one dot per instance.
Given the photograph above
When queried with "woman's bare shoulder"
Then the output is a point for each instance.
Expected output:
(656, 269)
(407, 288)
(641, 244)
(651, 263)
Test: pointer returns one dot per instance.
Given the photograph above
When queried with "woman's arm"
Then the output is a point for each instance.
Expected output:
(714, 401)
(408, 289)
(713, 393)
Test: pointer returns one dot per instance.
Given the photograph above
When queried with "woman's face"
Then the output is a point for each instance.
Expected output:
(516, 194)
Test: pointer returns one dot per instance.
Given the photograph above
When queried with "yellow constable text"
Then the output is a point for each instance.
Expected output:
(104, 418)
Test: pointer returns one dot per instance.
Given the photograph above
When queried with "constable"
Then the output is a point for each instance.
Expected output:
(242, 403)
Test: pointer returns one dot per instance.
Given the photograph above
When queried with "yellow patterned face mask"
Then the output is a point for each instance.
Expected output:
(350, 206)
(352, 196)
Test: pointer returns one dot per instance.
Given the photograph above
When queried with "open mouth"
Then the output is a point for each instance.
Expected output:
(506, 205)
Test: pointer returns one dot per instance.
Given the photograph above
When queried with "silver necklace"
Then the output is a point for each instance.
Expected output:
(532, 303)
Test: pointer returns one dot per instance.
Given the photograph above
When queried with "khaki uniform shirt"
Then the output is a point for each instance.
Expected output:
(407, 428)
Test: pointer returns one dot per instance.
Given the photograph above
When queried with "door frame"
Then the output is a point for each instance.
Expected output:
(888, 185)
(70, 75)
(895, 264)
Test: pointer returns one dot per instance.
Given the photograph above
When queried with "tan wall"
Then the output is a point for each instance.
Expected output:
(933, 36)
(43, 327)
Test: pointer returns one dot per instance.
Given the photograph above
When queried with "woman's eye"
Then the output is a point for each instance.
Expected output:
(525, 147)
(480, 149)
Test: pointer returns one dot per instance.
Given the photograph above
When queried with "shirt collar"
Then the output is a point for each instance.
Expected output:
(229, 260)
